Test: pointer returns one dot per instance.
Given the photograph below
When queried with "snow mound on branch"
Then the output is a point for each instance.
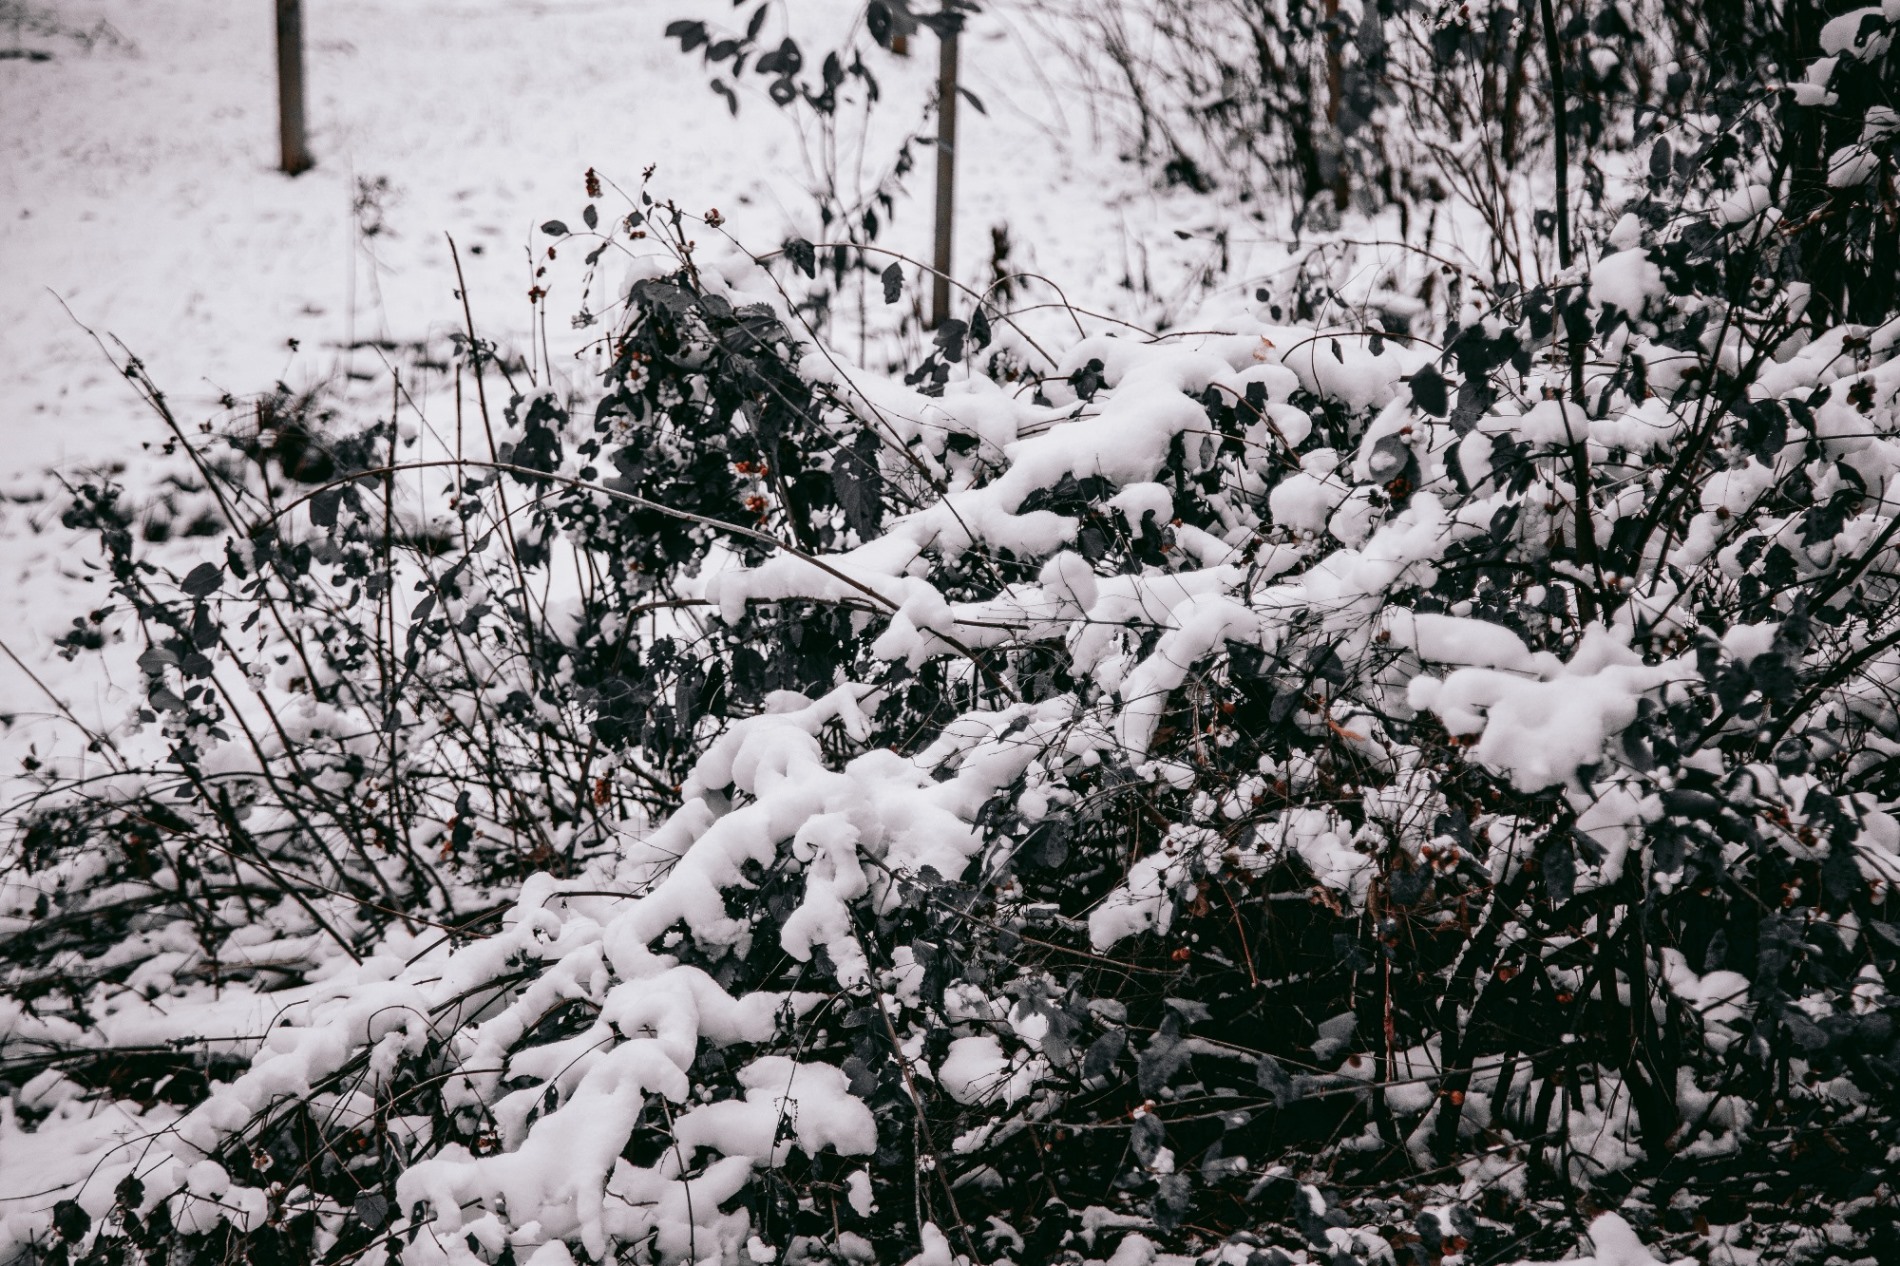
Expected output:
(1628, 279)
(1616, 1244)
(560, 1174)
(1542, 730)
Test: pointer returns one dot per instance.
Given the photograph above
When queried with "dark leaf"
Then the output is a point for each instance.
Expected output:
(1147, 1138)
(1661, 160)
(945, 23)
(859, 485)
(690, 34)
(71, 1221)
(1335, 1037)
(1174, 1193)
(1503, 522)
(1840, 876)
(1407, 887)
(1274, 1081)
(950, 339)
(803, 256)
(1430, 391)
(203, 580)
(1103, 1053)
(1190, 1010)
(1558, 864)
(1088, 380)
(156, 659)
(862, 1081)
(980, 329)
(1156, 1066)
(1389, 458)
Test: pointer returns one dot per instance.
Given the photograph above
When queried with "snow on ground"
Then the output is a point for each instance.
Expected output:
(138, 196)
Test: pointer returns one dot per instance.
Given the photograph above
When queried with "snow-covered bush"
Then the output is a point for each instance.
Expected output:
(1264, 794)
(1327, 104)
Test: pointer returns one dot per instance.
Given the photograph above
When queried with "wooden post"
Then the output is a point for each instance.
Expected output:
(946, 167)
(290, 135)
(1335, 95)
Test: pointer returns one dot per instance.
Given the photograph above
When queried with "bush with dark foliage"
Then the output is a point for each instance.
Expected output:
(1269, 794)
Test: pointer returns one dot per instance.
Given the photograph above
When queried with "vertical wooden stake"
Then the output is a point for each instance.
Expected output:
(1335, 95)
(290, 135)
(946, 168)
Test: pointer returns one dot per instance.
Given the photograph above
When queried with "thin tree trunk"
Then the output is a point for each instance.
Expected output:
(946, 174)
(1335, 95)
(290, 133)
(1560, 110)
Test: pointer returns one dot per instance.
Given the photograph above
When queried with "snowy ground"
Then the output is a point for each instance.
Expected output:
(138, 197)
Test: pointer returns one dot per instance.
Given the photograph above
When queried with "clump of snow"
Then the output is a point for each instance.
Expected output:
(1541, 731)
(1614, 1243)
(1629, 279)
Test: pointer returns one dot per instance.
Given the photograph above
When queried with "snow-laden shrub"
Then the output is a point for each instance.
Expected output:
(1269, 794)
(1263, 794)
(1842, 160)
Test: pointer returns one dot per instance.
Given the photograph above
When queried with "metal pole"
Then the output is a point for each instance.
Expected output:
(946, 169)
(295, 150)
